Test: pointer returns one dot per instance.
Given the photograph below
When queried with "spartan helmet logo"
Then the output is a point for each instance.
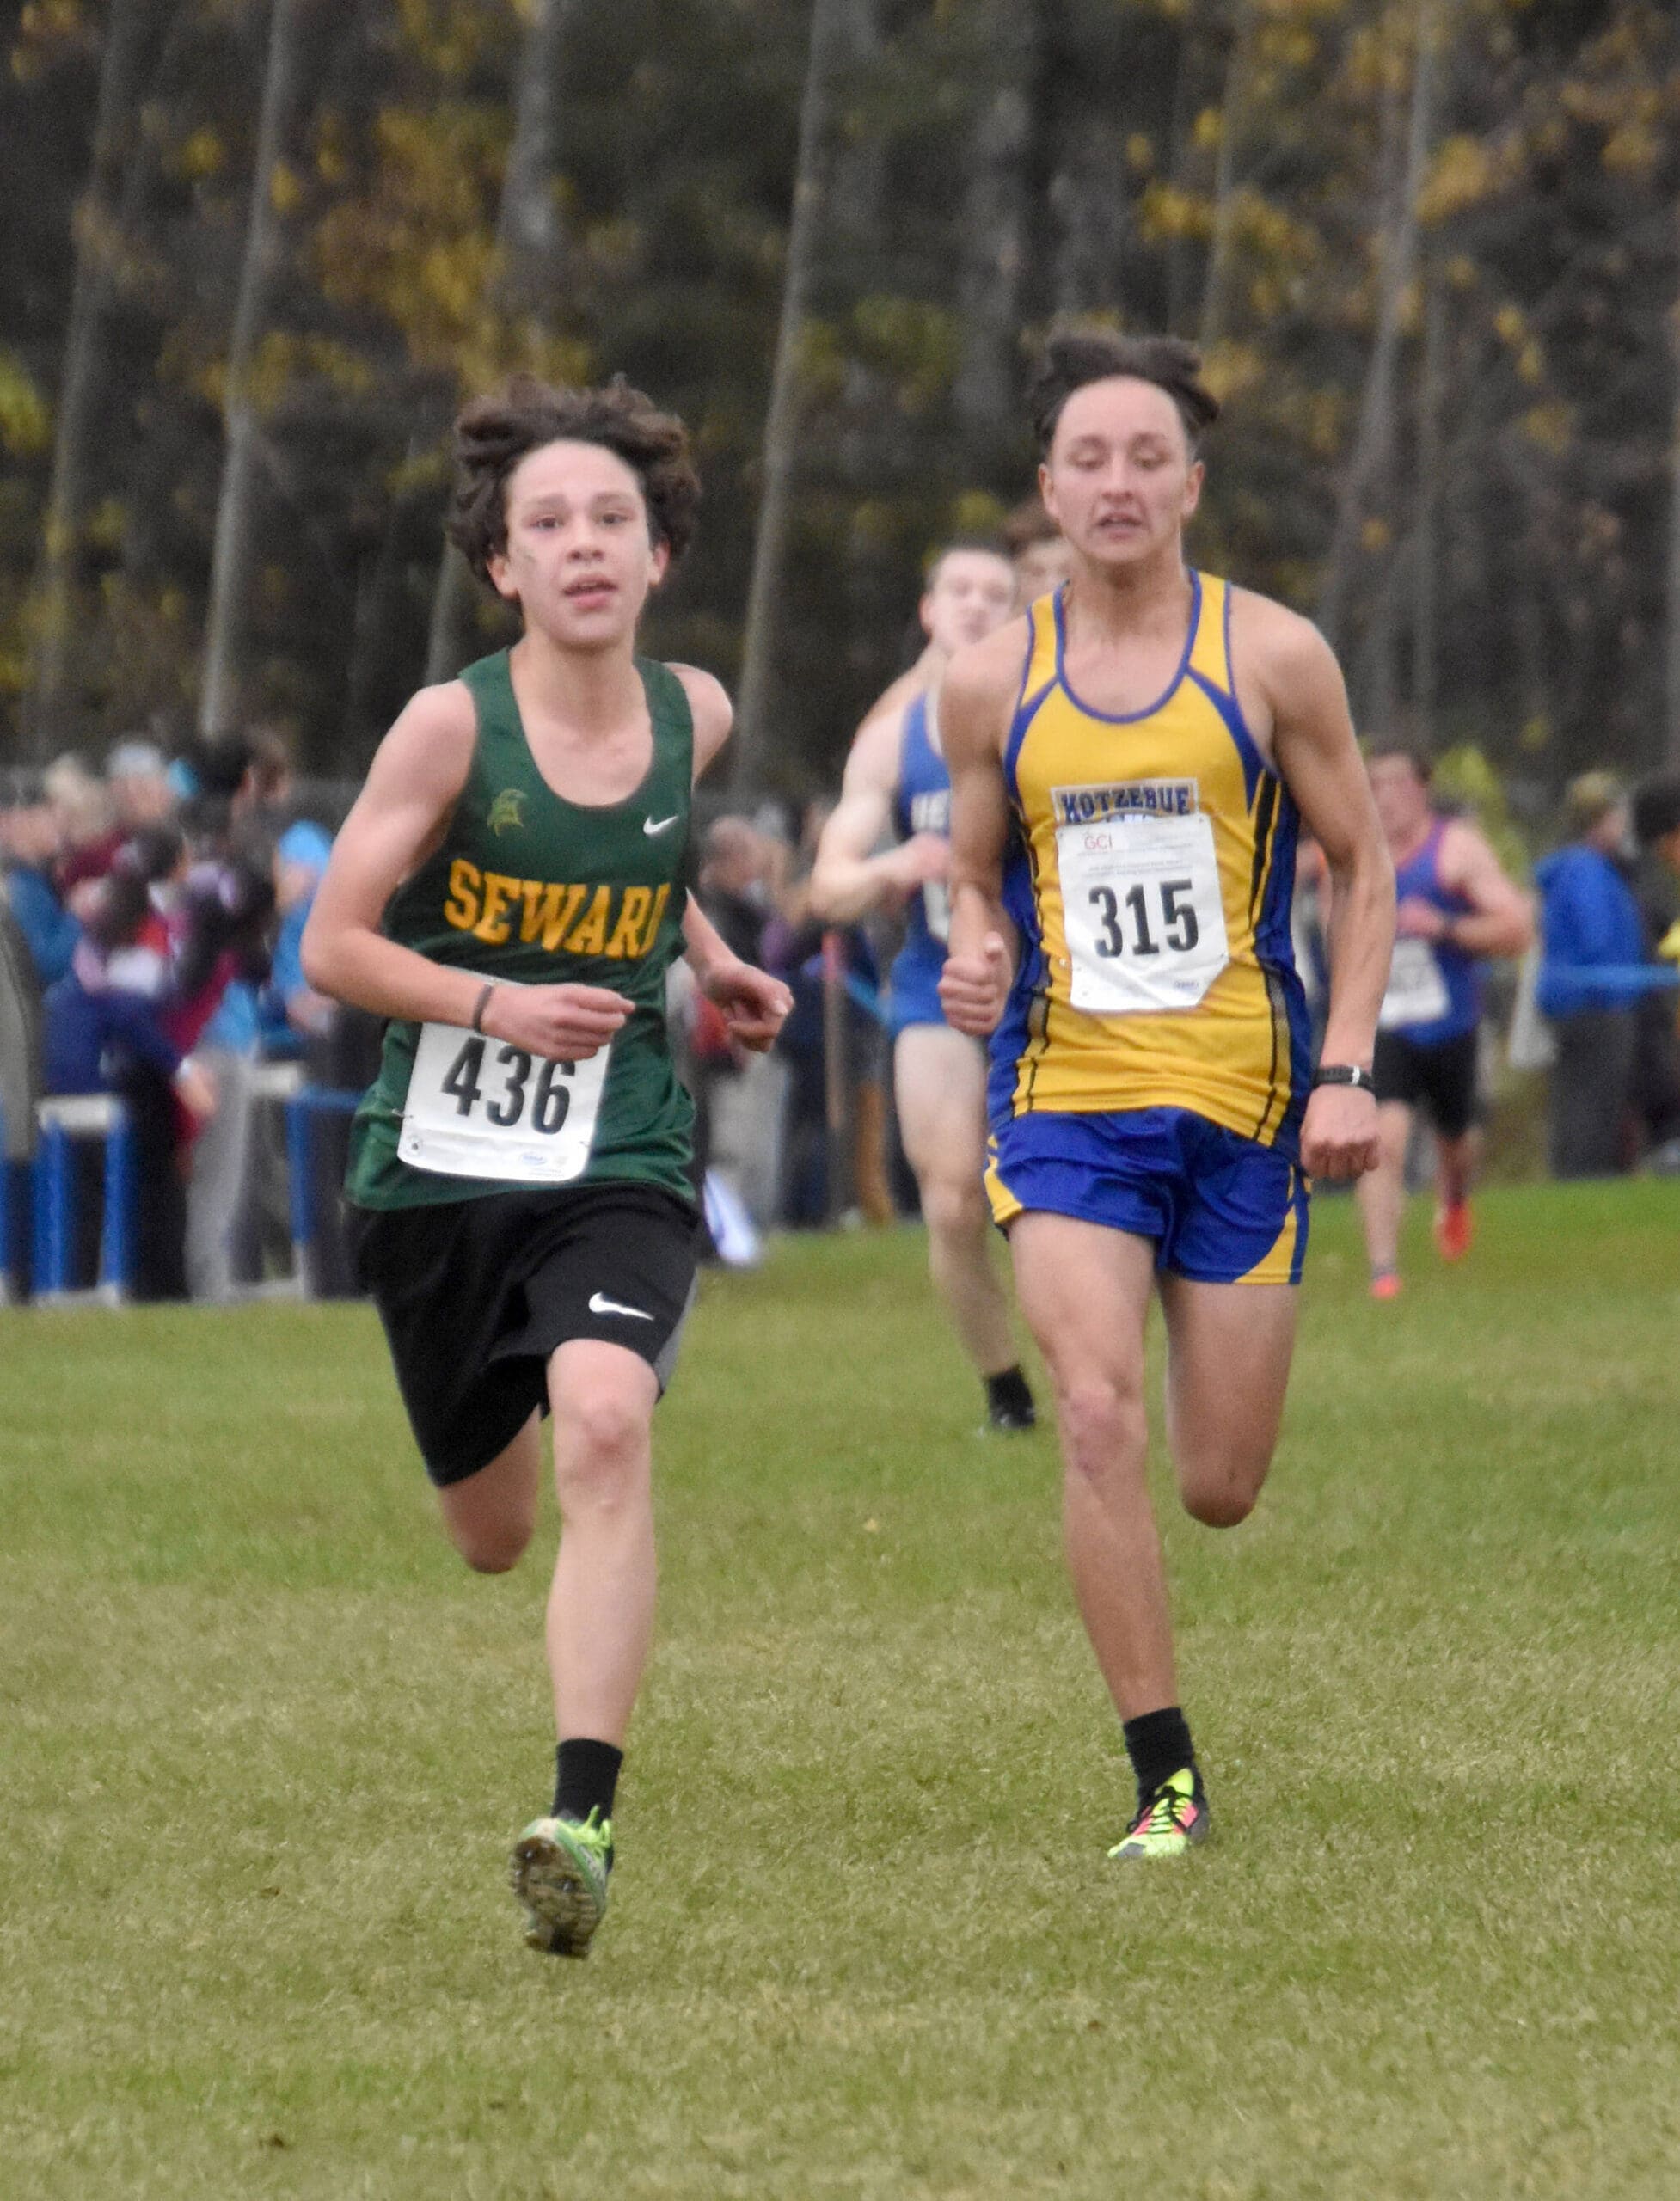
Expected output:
(505, 810)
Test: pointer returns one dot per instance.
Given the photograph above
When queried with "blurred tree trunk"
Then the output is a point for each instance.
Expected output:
(859, 165)
(1239, 72)
(781, 424)
(233, 557)
(1368, 477)
(77, 442)
(1672, 685)
(1178, 163)
(994, 234)
(1426, 548)
(529, 245)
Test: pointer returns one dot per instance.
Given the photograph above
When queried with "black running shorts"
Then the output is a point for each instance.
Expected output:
(1440, 1079)
(475, 1295)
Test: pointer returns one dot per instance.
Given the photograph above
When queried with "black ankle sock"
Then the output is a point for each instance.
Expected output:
(585, 1778)
(1009, 1393)
(1158, 1743)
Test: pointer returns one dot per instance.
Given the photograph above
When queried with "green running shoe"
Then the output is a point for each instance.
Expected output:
(559, 1871)
(1175, 1819)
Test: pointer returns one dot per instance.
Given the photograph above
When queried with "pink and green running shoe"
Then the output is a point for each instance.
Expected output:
(1173, 1821)
(559, 1871)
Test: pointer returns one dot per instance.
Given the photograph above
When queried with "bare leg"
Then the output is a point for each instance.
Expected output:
(490, 1517)
(1381, 1191)
(1229, 1347)
(1085, 1292)
(600, 1620)
(939, 1080)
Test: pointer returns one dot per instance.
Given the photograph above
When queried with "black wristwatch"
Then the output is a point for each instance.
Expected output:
(1345, 1074)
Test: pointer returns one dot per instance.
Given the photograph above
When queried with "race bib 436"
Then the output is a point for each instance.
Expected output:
(479, 1107)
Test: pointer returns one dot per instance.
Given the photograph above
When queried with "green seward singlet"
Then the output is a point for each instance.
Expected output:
(527, 888)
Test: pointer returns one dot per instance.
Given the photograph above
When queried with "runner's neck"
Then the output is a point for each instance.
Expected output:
(593, 693)
(1120, 606)
(1402, 852)
(585, 718)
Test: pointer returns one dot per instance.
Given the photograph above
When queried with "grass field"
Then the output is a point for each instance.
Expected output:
(266, 1743)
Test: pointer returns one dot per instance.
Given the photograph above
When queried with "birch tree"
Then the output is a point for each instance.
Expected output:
(233, 555)
(530, 246)
(994, 243)
(129, 38)
(781, 424)
(1232, 120)
(1368, 473)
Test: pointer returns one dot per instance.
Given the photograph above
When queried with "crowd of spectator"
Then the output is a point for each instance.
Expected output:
(1609, 958)
(154, 914)
(149, 933)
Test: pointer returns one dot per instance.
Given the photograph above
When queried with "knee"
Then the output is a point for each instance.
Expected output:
(494, 1548)
(600, 1449)
(953, 1206)
(1219, 1505)
(1220, 1485)
(1102, 1425)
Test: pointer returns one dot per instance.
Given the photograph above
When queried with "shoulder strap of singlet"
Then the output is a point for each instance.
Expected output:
(673, 723)
(1037, 676)
(1210, 645)
(1043, 647)
(913, 736)
(1210, 665)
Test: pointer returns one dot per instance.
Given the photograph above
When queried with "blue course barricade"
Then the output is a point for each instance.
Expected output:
(303, 1111)
(63, 1120)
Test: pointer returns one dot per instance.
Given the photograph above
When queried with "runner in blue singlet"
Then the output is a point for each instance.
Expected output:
(896, 782)
(1455, 906)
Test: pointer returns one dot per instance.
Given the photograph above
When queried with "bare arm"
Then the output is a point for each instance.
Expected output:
(713, 713)
(1318, 758)
(847, 880)
(974, 721)
(398, 818)
(893, 698)
(755, 1005)
(1500, 919)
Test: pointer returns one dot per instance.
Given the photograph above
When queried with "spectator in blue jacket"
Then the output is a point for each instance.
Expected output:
(29, 847)
(1592, 975)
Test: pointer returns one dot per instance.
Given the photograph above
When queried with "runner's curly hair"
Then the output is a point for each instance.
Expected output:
(495, 432)
(1081, 354)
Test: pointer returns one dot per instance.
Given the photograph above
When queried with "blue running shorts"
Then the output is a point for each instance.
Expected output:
(1219, 1208)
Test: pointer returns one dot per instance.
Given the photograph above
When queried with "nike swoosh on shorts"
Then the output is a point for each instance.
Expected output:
(600, 1304)
(658, 824)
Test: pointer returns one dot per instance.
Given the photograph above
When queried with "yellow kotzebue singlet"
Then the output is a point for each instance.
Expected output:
(1151, 884)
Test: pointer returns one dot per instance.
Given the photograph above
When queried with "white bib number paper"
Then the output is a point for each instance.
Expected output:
(1417, 989)
(936, 905)
(478, 1107)
(1142, 910)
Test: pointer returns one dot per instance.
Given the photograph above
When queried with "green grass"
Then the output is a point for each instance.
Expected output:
(264, 1744)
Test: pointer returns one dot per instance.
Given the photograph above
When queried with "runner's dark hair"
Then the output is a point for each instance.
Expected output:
(983, 546)
(1029, 522)
(1396, 745)
(1657, 809)
(1080, 353)
(495, 432)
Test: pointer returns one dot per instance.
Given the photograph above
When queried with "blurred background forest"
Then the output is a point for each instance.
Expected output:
(256, 251)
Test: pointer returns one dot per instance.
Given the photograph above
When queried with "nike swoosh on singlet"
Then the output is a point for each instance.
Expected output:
(600, 1304)
(658, 824)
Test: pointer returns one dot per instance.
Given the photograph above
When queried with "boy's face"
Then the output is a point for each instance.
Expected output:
(1119, 480)
(1039, 567)
(579, 561)
(1401, 796)
(971, 592)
